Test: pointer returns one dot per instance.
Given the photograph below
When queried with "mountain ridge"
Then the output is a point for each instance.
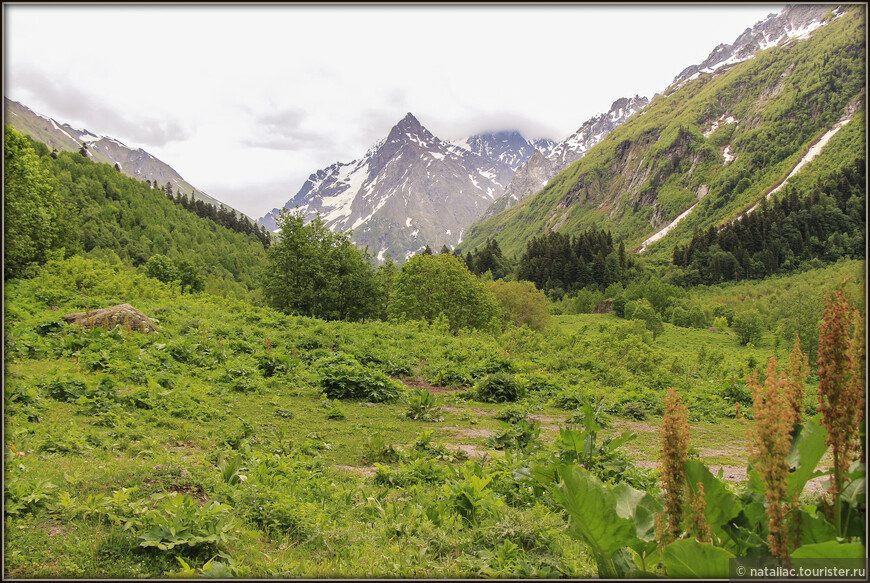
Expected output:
(134, 162)
(536, 172)
(720, 139)
(412, 189)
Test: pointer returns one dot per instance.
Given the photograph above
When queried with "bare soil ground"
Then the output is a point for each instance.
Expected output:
(421, 384)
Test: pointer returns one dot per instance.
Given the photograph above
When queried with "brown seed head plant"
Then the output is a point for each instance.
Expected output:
(770, 441)
(675, 454)
(841, 383)
(858, 382)
(799, 370)
(697, 520)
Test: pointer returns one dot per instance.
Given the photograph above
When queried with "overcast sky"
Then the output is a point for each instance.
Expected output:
(245, 102)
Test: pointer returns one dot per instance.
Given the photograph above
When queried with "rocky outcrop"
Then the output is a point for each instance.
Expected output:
(123, 315)
(604, 307)
(529, 178)
(794, 21)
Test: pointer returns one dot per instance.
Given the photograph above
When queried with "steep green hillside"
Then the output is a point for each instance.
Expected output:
(115, 217)
(135, 163)
(684, 147)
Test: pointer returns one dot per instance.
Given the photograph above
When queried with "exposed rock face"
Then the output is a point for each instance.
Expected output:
(412, 188)
(541, 167)
(530, 177)
(795, 21)
(123, 315)
(604, 307)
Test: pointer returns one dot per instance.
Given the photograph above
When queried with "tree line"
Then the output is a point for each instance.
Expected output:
(825, 224)
(221, 215)
(312, 271)
(561, 263)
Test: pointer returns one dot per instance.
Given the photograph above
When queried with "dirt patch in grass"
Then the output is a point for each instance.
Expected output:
(475, 410)
(471, 450)
(729, 452)
(362, 470)
(421, 384)
(53, 528)
(736, 474)
(195, 492)
(636, 426)
(183, 445)
(468, 432)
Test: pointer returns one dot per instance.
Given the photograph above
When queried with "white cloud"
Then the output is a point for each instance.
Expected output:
(239, 97)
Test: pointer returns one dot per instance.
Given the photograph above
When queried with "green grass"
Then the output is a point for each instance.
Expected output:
(163, 414)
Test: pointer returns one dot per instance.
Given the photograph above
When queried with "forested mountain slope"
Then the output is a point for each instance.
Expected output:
(134, 162)
(96, 211)
(721, 140)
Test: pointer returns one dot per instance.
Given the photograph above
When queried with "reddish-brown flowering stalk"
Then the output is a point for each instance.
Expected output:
(675, 454)
(799, 370)
(771, 442)
(858, 382)
(697, 522)
(841, 386)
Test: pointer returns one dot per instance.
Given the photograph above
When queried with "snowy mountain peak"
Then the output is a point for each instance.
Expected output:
(409, 129)
(593, 131)
(539, 169)
(793, 22)
(412, 188)
(507, 147)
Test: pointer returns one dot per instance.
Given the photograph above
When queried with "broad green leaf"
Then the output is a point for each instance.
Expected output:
(815, 529)
(806, 452)
(690, 559)
(572, 439)
(721, 505)
(757, 517)
(831, 550)
(855, 492)
(544, 474)
(645, 517)
(623, 438)
(592, 510)
(627, 498)
(755, 483)
(645, 525)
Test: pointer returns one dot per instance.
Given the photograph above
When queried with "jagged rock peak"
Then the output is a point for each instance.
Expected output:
(409, 128)
(409, 121)
(794, 21)
(627, 105)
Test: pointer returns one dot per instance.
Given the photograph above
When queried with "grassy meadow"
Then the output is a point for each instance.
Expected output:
(212, 447)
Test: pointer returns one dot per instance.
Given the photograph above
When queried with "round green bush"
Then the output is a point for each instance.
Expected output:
(499, 388)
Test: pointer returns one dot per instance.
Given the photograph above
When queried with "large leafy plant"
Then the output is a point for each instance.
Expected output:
(180, 521)
(343, 377)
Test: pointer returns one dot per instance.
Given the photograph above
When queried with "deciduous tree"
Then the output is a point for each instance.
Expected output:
(33, 229)
(314, 272)
(431, 285)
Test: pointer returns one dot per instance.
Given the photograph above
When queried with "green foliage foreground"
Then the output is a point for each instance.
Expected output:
(242, 441)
